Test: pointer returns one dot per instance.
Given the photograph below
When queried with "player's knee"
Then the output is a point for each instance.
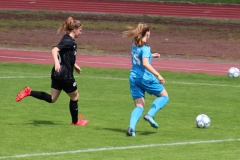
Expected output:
(163, 94)
(74, 99)
(167, 98)
(74, 96)
(140, 105)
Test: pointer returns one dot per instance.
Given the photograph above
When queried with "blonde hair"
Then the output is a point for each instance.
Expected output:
(137, 33)
(69, 25)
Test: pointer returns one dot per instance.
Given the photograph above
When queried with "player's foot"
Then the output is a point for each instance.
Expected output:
(24, 93)
(150, 120)
(130, 132)
(81, 122)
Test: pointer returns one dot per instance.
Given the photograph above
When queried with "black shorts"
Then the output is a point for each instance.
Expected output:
(67, 85)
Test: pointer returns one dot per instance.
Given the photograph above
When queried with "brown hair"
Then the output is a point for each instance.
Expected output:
(69, 25)
(137, 33)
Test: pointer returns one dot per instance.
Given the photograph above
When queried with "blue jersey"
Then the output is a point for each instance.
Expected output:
(138, 70)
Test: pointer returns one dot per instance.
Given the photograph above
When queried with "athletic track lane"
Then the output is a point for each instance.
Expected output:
(118, 7)
(160, 9)
(117, 62)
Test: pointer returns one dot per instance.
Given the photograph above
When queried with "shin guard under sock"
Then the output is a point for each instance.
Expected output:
(73, 107)
(158, 104)
(135, 116)
(42, 96)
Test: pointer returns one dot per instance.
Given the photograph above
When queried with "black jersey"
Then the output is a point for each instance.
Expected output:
(66, 57)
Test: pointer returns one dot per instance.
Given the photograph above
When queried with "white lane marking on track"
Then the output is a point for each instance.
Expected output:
(118, 148)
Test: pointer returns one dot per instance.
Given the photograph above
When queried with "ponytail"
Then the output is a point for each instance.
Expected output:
(69, 25)
(137, 33)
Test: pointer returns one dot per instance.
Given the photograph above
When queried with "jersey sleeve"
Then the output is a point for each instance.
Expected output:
(65, 43)
(146, 52)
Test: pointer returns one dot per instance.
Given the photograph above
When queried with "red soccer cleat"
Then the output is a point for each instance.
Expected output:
(81, 122)
(24, 93)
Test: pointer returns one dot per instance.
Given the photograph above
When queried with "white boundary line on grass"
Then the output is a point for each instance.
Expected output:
(41, 59)
(122, 79)
(22, 77)
(117, 148)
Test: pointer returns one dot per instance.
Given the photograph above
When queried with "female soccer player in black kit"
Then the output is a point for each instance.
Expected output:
(64, 55)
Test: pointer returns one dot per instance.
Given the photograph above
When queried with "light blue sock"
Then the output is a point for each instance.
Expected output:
(135, 116)
(158, 104)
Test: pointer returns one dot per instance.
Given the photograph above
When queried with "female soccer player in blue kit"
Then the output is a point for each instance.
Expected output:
(144, 78)
(64, 56)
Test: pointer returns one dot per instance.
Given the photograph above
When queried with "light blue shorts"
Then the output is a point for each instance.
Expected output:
(139, 86)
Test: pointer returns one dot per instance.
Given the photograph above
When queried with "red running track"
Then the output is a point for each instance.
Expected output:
(150, 8)
(117, 62)
(118, 7)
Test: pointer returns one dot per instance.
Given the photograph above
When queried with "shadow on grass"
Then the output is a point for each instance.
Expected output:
(124, 131)
(37, 123)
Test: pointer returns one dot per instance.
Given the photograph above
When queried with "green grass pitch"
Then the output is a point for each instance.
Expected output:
(33, 129)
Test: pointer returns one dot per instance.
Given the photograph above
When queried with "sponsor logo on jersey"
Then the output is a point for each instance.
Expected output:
(74, 84)
(75, 52)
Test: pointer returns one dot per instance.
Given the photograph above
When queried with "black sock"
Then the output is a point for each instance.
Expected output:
(73, 107)
(42, 96)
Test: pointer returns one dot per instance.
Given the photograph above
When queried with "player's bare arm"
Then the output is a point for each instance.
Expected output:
(55, 51)
(152, 70)
(77, 68)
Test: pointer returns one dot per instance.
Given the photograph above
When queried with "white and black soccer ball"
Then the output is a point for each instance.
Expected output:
(233, 72)
(202, 121)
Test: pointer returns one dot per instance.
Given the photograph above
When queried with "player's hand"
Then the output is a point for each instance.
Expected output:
(156, 55)
(57, 67)
(77, 69)
(161, 79)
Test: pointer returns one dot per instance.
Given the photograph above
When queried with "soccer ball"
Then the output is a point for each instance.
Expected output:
(202, 121)
(233, 72)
